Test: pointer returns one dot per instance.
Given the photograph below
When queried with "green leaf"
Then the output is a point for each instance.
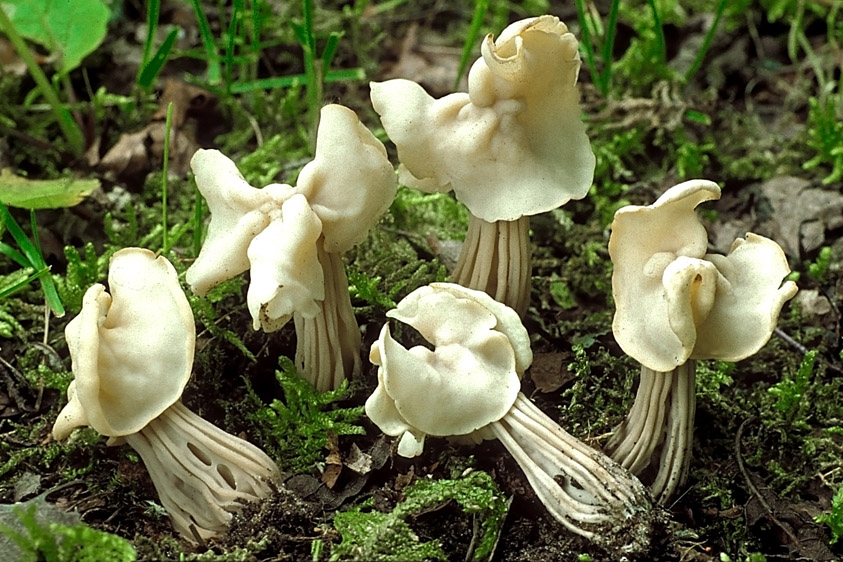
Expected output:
(71, 30)
(24, 193)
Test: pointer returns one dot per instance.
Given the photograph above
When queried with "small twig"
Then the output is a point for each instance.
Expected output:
(790, 341)
(11, 387)
(803, 350)
(475, 529)
(752, 488)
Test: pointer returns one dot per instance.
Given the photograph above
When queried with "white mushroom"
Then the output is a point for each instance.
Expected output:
(676, 304)
(291, 239)
(132, 354)
(469, 386)
(513, 146)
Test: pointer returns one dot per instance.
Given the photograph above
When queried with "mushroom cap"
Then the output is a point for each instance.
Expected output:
(131, 350)
(350, 183)
(515, 144)
(286, 274)
(673, 301)
(469, 380)
(239, 212)
(339, 197)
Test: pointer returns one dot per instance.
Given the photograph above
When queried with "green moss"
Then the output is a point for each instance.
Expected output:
(825, 136)
(430, 213)
(368, 534)
(295, 431)
(834, 518)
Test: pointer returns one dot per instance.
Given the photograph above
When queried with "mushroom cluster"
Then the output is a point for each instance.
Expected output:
(676, 303)
(512, 147)
(469, 386)
(291, 240)
(132, 355)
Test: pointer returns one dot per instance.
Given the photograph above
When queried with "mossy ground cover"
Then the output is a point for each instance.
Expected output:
(755, 105)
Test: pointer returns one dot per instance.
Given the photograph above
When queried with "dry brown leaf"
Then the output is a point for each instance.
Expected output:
(136, 154)
(549, 371)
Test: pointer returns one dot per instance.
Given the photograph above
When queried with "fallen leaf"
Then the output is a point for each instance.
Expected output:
(333, 461)
(136, 154)
(139, 153)
(358, 461)
(549, 371)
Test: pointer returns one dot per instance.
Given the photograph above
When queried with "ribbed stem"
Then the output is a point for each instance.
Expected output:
(582, 488)
(676, 452)
(661, 419)
(202, 474)
(328, 345)
(496, 258)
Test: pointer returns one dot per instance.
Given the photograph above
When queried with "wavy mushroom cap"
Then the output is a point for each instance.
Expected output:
(515, 144)
(350, 183)
(131, 350)
(273, 231)
(239, 212)
(469, 380)
(286, 274)
(673, 301)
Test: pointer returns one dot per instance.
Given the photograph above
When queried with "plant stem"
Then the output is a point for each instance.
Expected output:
(167, 131)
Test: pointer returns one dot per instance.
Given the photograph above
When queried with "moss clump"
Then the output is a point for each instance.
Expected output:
(34, 537)
(294, 431)
(374, 535)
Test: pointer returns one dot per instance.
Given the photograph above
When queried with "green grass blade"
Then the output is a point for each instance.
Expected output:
(608, 45)
(153, 10)
(585, 31)
(152, 67)
(168, 124)
(295, 80)
(657, 28)
(481, 7)
(212, 57)
(21, 283)
(709, 37)
(345, 74)
(13, 255)
(51, 294)
(257, 26)
(20, 237)
(231, 43)
(330, 49)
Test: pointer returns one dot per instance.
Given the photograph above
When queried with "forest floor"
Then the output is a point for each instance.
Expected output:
(756, 106)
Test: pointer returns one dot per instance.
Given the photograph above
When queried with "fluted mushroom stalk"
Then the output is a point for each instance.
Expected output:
(132, 354)
(468, 386)
(675, 304)
(513, 146)
(291, 239)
